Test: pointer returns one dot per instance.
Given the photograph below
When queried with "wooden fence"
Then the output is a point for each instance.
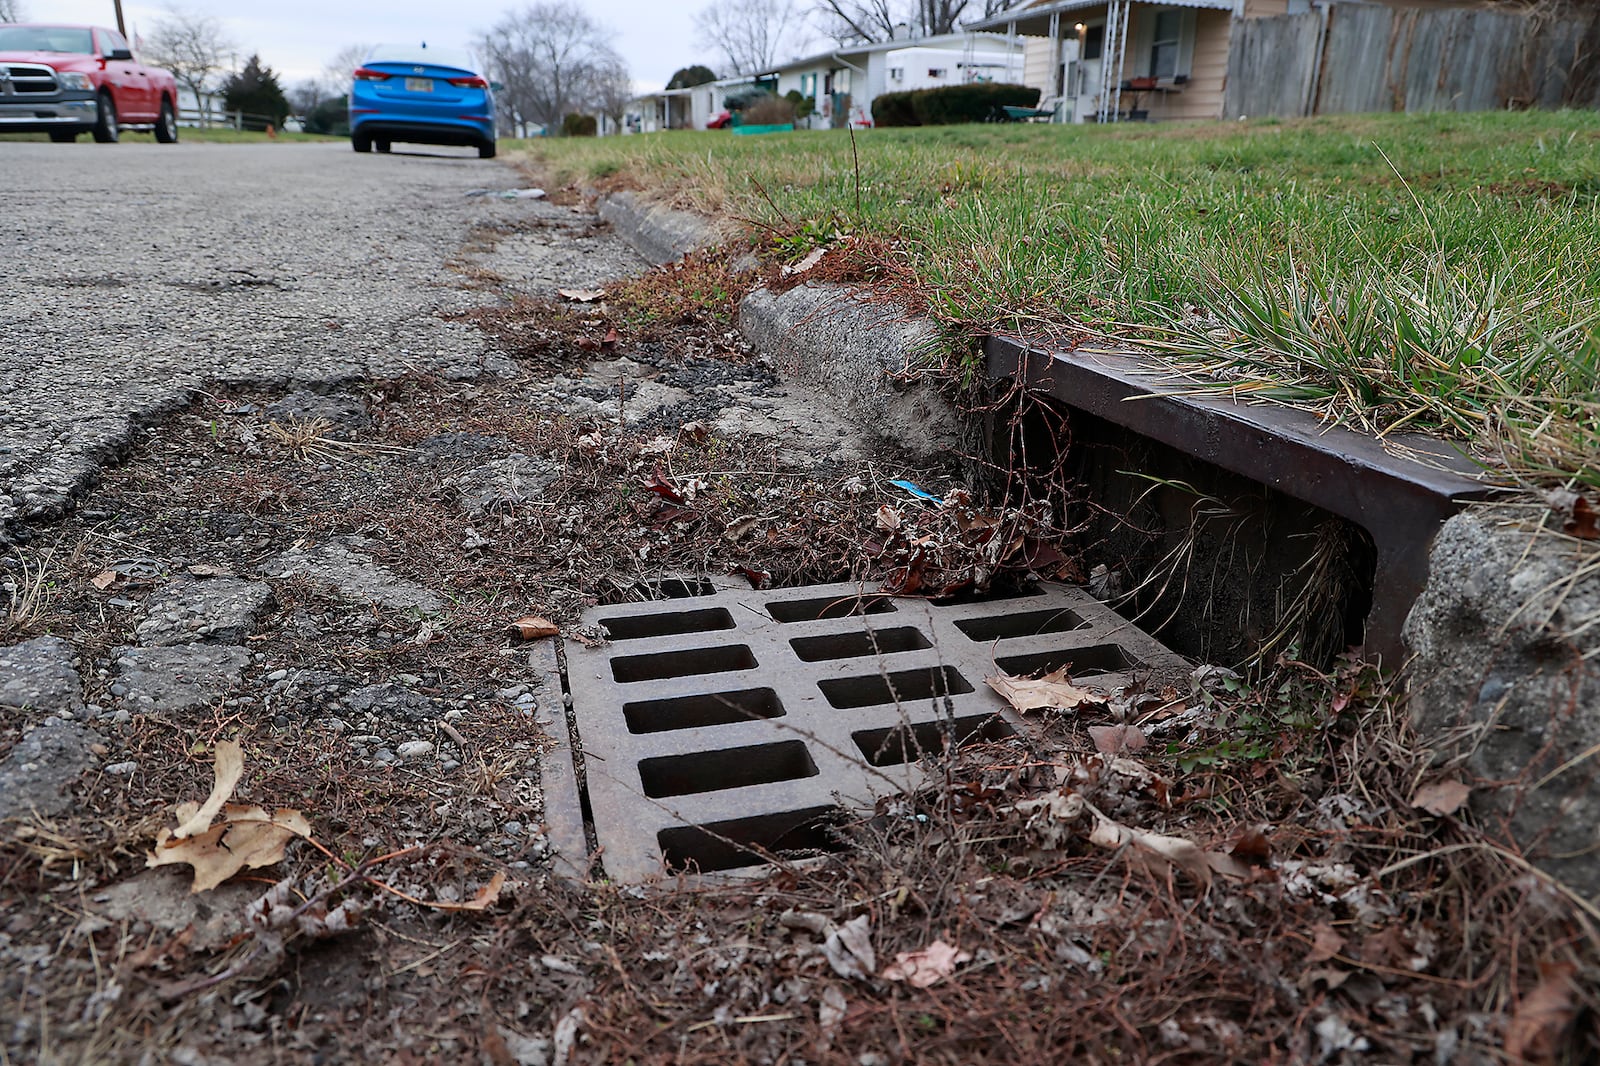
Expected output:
(1368, 57)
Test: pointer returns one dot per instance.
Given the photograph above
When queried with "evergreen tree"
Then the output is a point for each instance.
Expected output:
(255, 91)
(689, 77)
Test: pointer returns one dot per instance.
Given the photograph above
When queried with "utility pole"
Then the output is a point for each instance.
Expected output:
(122, 27)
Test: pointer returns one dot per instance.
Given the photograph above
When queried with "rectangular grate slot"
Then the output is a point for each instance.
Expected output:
(828, 607)
(1027, 624)
(678, 588)
(692, 712)
(993, 594)
(873, 690)
(640, 626)
(899, 744)
(750, 841)
(682, 663)
(1085, 662)
(851, 645)
(715, 771)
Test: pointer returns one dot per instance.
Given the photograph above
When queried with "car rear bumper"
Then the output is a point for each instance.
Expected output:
(390, 129)
(31, 116)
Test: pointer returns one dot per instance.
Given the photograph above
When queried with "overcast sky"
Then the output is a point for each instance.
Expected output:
(296, 38)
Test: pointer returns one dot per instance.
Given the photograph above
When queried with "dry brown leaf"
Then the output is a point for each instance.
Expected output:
(247, 837)
(228, 767)
(582, 296)
(1116, 739)
(1441, 798)
(487, 896)
(932, 964)
(848, 949)
(812, 258)
(1053, 690)
(888, 518)
(1534, 1033)
(104, 579)
(535, 627)
(1162, 852)
(1325, 943)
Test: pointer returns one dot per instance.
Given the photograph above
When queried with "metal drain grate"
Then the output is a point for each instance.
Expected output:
(718, 728)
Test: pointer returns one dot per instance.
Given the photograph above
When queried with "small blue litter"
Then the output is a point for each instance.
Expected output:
(919, 493)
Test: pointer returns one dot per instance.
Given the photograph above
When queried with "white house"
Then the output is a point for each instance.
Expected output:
(842, 82)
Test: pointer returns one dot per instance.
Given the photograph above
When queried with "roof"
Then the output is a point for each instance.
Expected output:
(1038, 9)
(844, 52)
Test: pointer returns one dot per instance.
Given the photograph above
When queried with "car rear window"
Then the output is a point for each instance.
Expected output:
(433, 57)
(45, 39)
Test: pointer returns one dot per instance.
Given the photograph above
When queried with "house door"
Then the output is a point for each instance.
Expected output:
(1083, 74)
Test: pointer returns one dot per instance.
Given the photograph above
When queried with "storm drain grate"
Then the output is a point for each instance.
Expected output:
(718, 729)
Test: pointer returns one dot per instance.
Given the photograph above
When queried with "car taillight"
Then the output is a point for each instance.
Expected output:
(473, 82)
(366, 74)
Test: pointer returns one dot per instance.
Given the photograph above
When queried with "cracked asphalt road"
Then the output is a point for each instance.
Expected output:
(139, 273)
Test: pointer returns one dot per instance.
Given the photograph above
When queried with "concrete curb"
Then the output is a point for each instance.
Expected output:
(660, 234)
(855, 350)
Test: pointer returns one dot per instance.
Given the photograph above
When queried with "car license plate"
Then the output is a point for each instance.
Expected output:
(419, 85)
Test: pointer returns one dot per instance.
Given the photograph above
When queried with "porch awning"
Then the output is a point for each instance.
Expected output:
(1035, 20)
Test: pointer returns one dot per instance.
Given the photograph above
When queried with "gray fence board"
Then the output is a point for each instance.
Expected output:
(1371, 57)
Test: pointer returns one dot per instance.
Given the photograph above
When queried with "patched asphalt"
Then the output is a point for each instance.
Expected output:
(140, 274)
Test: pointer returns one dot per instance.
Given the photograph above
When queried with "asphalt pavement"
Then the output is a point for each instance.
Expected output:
(137, 274)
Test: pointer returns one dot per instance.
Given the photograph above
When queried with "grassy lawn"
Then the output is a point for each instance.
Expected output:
(1435, 272)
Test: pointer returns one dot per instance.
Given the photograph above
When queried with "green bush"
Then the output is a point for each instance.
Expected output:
(803, 105)
(330, 116)
(768, 111)
(894, 109)
(579, 126)
(978, 102)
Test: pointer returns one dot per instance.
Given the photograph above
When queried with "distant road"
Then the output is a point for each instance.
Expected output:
(136, 272)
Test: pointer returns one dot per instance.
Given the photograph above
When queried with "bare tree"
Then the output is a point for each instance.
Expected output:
(883, 20)
(335, 80)
(194, 48)
(748, 32)
(551, 59)
(12, 11)
(613, 89)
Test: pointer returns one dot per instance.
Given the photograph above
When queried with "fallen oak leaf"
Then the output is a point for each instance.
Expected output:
(1116, 739)
(1054, 690)
(1538, 1021)
(535, 627)
(659, 485)
(848, 949)
(104, 579)
(920, 969)
(1441, 798)
(228, 767)
(247, 837)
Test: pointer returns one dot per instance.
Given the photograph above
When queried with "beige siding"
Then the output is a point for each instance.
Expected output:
(1208, 71)
(1036, 70)
(1255, 9)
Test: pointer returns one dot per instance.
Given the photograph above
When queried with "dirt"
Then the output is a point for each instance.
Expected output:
(331, 579)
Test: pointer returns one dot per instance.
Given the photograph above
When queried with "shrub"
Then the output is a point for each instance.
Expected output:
(803, 105)
(769, 111)
(894, 109)
(978, 102)
(330, 116)
(744, 96)
(579, 126)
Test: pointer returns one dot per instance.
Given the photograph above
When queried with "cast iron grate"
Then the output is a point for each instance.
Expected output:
(720, 729)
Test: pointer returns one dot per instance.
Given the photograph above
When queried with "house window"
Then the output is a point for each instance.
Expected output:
(897, 73)
(935, 72)
(1094, 41)
(1165, 44)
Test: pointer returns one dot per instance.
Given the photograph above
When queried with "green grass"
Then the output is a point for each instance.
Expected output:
(1437, 272)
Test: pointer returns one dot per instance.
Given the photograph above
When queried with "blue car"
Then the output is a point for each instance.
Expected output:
(420, 95)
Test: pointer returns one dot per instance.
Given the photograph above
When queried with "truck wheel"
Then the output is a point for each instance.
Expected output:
(106, 130)
(63, 136)
(361, 142)
(167, 123)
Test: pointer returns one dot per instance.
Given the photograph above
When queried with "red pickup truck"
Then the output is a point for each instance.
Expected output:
(67, 80)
